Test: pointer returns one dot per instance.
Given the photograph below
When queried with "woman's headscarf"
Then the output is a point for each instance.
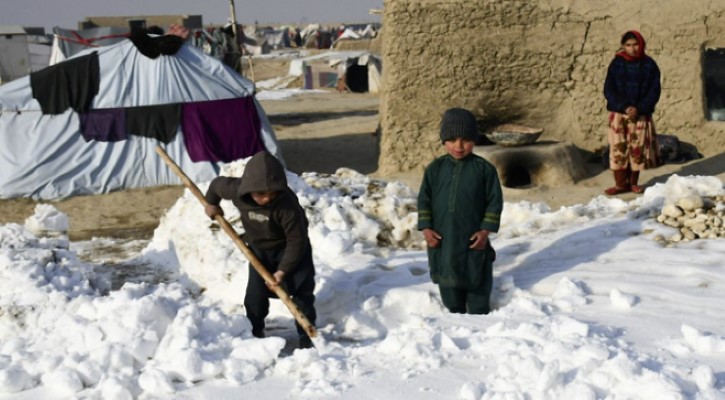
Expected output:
(640, 54)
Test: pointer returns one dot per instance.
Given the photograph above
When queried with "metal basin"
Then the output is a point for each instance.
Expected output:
(514, 135)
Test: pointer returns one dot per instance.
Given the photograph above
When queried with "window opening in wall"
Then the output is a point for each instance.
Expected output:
(714, 76)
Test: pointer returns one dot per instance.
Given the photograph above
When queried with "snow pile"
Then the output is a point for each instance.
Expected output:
(47, 220)
(56, 330)
(349, 214)
(587, 306)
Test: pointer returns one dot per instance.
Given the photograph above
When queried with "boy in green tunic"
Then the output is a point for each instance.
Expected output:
(459, 205)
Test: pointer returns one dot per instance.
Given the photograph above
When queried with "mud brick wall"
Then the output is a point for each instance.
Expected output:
(540, 63)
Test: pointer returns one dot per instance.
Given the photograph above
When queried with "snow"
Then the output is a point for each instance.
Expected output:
(588, 305)
(274, 89)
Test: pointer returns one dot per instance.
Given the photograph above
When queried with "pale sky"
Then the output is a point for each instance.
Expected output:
(67, 13)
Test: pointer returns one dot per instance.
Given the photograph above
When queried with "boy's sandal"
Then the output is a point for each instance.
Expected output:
(614, 190)
(637, 189)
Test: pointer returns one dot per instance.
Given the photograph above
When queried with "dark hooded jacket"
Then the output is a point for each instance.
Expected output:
(281, 224)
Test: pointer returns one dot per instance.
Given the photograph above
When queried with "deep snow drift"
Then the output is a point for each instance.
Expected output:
(588, 306)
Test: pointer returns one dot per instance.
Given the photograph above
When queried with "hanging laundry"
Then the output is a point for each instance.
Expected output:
(104, 125)
(154, 46)
(159, 122)
(221, 130)
(70, 84)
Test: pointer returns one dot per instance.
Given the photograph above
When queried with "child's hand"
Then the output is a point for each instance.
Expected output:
(212, 211)
(278, 278)
(479, 240)
(432, 238)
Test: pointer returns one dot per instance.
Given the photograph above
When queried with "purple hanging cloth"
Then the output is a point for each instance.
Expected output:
(221, 130)
(104, 124)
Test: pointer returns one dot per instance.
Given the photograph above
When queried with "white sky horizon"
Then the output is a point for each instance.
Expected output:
(68, 13)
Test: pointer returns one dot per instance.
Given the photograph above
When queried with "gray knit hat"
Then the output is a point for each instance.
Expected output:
(458, 123)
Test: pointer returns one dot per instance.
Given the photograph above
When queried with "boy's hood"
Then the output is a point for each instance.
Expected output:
(263, 173)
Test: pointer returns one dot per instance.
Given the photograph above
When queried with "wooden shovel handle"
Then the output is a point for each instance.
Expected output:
(256, 264)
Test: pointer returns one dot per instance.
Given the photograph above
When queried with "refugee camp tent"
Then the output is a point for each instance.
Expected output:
(358, 32)
(315, 37)
(69, 42)
(274, 38)
(45, 155)
(216, 42)
(357, 71)
(361, 73)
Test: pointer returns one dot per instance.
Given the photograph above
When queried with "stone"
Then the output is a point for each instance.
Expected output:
(687, 234)
(699, 227)
(690, 203)
(672, 211)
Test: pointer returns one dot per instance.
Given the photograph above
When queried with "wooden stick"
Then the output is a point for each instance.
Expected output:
(286, 299)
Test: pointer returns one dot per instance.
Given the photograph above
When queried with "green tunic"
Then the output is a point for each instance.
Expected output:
(458, 198)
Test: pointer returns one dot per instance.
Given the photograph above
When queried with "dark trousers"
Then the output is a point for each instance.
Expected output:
(472, 301)
(299, 284)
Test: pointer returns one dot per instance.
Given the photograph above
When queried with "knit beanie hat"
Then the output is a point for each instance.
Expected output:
(458, 123)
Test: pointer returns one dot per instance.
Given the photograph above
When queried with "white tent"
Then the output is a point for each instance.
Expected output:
(68, 42)
(361, 70)
(45, 157)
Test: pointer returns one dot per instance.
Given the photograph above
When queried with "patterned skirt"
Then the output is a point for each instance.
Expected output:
(632, 144)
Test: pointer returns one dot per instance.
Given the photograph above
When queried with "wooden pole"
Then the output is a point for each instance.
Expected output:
(236, 35)
(239, 45)
(234, 20)
(254, 261)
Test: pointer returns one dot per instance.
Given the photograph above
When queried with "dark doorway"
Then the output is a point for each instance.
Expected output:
(356, 78)
(714, 81)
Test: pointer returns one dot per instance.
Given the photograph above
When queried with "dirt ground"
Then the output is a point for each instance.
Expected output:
(318, 132)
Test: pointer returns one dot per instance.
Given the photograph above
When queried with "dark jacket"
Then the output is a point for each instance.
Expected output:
(281, 224)
(456, 199)
(632, 83)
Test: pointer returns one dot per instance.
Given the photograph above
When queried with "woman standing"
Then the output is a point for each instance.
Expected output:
(632, 89)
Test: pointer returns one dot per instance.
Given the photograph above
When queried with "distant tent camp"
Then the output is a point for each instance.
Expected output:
(206, 112)
(314, 37)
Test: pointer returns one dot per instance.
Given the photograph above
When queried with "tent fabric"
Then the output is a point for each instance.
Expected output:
(70, 42)
(315, 79)
(342, 61)
(46, 157)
